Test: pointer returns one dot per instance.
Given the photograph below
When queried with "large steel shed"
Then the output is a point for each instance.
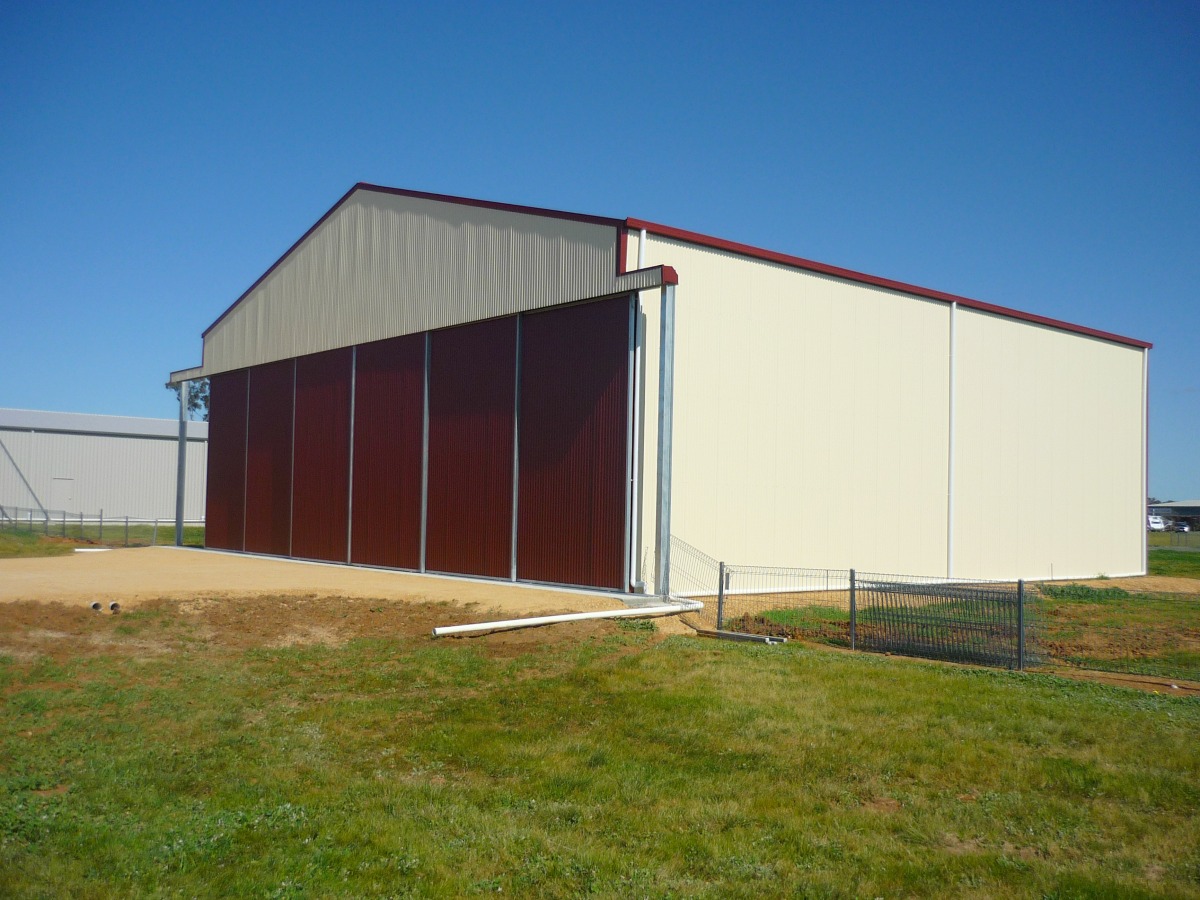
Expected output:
(449, 385)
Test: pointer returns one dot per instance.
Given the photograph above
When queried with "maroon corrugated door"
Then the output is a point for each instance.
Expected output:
(269, 458)
(224, 504)
(471, 396)
(574, 421)
(389, 410)
(321, 461)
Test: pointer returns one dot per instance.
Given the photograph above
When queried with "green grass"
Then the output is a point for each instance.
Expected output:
(1114, 630)
(21, 543)
(1173, 539)
(615, 766)
(1176, 563)
(51, 541)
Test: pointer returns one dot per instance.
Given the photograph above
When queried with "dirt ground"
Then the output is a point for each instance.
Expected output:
(1145, 584)
(244, 601)
(135, 576)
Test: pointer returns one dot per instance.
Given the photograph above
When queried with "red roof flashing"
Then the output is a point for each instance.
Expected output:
(669, 274)
(705, 240)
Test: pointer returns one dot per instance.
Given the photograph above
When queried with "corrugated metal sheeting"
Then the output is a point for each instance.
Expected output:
(389, 414)
(570, 522)
(321, 477)
(399, 264)
(73, 463)
(269, 458)
(813, 426)
(226, 507)
(472, 388)
(574, 422)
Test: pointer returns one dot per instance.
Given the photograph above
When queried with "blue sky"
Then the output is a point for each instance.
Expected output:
(156, 158)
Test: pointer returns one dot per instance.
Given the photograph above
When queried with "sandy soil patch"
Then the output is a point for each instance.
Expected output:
(1144, 584)
(136, 576)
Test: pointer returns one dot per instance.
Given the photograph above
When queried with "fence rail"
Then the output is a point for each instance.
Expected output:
(127, 531)
(961, 622)
(987, 623)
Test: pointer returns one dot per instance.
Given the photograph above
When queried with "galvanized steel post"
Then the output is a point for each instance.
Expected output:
(425, 448)
(1020, 624)
(350, 458)
(181, 467)
(666, 386)
(516, 466)
(720, 596)
(853, 612)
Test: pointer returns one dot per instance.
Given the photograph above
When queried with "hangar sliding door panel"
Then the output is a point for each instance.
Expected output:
(389, 411)
(321, 467)
(269, 458)
(225, 499)
(471, 395)
(573, 444)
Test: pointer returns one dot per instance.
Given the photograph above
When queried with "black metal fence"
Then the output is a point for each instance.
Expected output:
(980, 622)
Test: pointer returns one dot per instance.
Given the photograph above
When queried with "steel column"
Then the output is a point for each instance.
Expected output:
(516, 466)
(425, 453)
(181, 466)
(666, 390)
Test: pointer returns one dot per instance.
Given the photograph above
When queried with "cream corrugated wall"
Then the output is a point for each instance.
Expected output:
(123, 476)
(812, 429)
(1048, 473)
(810, 416)
(384, 265)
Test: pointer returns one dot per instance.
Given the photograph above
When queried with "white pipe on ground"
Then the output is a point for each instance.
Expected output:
(665, 610)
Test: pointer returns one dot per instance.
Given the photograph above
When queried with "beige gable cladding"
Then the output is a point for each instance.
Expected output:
(384, 264)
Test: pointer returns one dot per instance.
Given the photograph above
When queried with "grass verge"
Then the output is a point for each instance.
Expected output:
(1117, 631)
(616, 765)
(20, 543)
(24, 541)
(1175, 563)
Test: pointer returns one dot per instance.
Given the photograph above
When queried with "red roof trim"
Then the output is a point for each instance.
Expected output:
(704, 240)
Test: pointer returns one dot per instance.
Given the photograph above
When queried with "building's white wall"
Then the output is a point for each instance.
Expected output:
(121, 475)
(812, 428)
(1049, 456)
(810, 416)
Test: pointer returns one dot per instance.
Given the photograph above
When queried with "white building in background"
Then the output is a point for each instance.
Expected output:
(76, 463)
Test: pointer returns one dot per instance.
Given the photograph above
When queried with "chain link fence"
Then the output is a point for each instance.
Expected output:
(98, 528)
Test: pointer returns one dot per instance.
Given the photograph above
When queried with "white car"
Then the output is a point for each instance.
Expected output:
(1155, 523)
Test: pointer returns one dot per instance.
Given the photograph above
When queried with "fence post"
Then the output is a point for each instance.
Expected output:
(720, 595)
(1021, 624)
(81, 525)
(853, 611)
(154, 537)
(101, 535)
(64, 523)
(127, 531)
